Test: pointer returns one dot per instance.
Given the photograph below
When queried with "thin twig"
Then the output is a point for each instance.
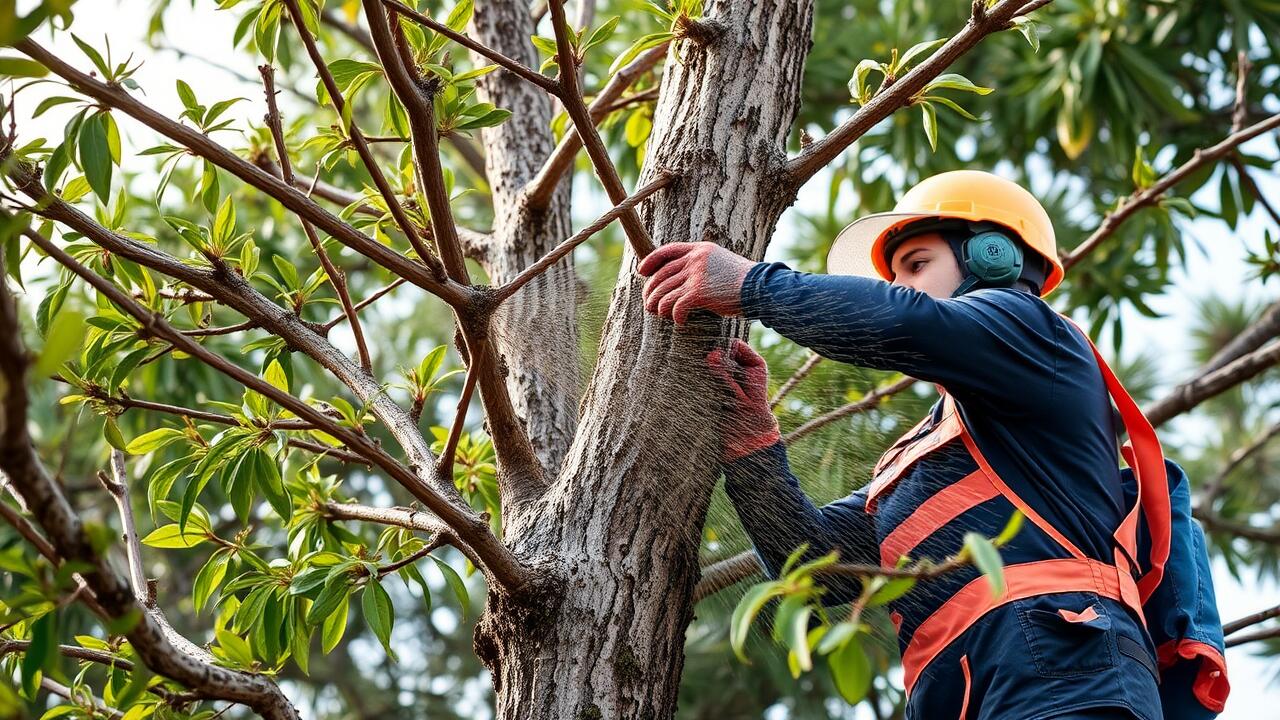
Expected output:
(1250, 620)
(117, 485)
(1152, 194)
(450, 451)
(800, 374)
(868, 402)
(554, 255)
(498, 58)
(357, 140)
(1253, 637)
(570, 95)
(336, 277)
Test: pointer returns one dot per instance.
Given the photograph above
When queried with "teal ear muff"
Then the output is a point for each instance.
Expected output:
(989, 257)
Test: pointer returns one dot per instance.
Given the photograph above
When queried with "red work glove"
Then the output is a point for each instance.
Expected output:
(749, 424)
(684, 277)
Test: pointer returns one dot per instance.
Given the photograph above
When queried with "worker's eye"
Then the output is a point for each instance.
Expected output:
(917, 264)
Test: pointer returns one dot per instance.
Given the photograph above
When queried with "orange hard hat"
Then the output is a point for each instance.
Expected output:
(970, 195)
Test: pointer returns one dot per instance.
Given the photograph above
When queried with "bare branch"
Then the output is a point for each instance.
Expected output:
(1251, 338)
(663, 179)
(542, 187)
(1152, 194)
(118, 487)
(1250, 620)
(399, 517)
(200, 144)
(1202, 387)
(1216, 523)
(1214, 487)
(727, 573)
(336, 277)
(900, 93)
(800, 374)
(868, 402)
(373, 297)
(97, 706)
(498, 58)
(1253, 637)
(570, 95)
(447, 455)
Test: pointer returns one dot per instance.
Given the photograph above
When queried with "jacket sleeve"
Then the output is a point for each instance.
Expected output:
(1182, 612)
(779, 518)
(997, 347)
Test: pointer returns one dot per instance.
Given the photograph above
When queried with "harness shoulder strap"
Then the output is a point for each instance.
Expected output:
(1144, 456)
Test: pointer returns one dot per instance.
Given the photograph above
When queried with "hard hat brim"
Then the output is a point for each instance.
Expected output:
(855, 249)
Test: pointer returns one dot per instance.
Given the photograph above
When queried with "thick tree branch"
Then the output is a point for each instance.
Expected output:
(357, 140)
(570, 94)
(1216, 523)
(1268, 634)
(336, 276)
(540, 190)
(201, 145)
(1152, 194)
(900, 92)
(522, 476)
(1202, 387)
(500, 564)
(1251, 338)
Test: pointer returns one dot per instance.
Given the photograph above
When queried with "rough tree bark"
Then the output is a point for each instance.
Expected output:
(625, 513)
(537, 331)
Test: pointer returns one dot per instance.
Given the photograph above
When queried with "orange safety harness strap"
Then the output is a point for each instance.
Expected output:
(1023, 580)
(1146, 459)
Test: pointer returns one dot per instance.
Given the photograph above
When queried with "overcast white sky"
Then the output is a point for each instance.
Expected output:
(206, 33)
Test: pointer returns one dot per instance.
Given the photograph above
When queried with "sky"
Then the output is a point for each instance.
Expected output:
(204, 34)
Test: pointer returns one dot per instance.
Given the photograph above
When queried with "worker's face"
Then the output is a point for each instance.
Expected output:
(926, 263)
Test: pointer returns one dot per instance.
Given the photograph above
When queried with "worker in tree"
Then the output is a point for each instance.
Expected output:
(1108, 610)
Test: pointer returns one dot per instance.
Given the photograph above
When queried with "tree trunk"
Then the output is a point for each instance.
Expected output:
(624, 517)
(537, 329)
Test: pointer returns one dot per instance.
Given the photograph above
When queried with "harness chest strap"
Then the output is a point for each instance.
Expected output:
(1076, 574)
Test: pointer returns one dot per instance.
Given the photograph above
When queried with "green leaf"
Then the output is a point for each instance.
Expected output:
(851, 671)
(798, 636)
(224, 223)
(1011, 529)
(858, 82)
(276, 376)
(42, 653)
(336, 589)
(268, 477)
(375, 604)
(836, 638)
(111, 432)
(917, 49)
(93, 55)
(95, 155)
(639, 46)
(64, 339)
(497, 116)
(335, 624)
(172, 536)
(955, 81)
(455, 583)
(154, 440)
(209, 578)
(745, 613)
(987, 558)
(235, 647)
(602, 33)
(459, 16)
(930, 124)
(890, 591)
(21, 67)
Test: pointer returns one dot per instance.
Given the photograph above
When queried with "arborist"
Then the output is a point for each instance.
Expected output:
(1109, 609)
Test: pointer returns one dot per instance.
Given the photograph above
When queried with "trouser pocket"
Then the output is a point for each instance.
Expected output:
(1067, 634)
